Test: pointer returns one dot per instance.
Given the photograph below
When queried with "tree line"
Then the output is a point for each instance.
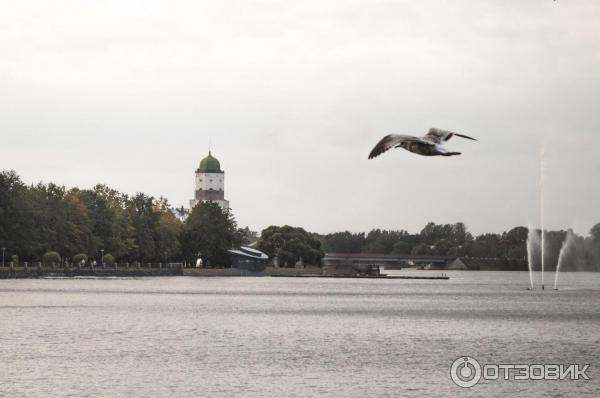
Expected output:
(508, 248)
(47, 221)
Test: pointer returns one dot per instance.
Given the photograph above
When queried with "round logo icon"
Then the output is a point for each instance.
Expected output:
(465, 372)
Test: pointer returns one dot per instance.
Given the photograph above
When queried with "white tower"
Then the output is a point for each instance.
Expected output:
(210, 183)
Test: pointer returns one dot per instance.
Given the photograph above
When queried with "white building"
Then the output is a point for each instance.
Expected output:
(210, 183)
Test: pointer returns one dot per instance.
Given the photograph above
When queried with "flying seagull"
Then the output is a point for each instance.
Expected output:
(428, 145)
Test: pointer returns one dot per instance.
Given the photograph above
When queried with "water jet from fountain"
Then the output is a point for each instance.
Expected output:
(533, 242)
(542, 175)
(564, 250)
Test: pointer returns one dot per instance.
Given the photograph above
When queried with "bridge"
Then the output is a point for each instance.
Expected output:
(389, 261)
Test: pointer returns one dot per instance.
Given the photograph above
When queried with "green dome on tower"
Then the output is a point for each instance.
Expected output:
(209, 164)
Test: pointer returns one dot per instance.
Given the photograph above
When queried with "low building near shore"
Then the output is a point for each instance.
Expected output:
(248, 259)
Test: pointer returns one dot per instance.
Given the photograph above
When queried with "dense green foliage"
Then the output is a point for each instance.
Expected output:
(40, 218)
(50, 258)
(79, 223)
(290, 245)
(208, 233)
(246, 236)
(108, 259)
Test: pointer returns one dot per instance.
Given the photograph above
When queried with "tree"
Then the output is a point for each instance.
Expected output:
(442, 247)
(50, 258)
(431, 233)
(110, 223)
(291, 244)
(144, 220)
(109, 259)
(343, 242)
(421, 249)
(78, 228)
(246, 236)
(209, 232)
(382, 241)
(595, 232)
(485, 245)
(18, 232)
(62, 221)
(167, 231)
(516, 236)
(593, 252)
(78, 258)
(401, 247)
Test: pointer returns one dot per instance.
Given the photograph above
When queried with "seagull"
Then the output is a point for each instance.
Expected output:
(428, 145)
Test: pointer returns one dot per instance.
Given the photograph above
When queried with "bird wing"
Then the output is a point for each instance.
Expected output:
(437, 136)
(393, 140)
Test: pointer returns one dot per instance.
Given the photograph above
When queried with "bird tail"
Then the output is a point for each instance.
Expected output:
(451, 153)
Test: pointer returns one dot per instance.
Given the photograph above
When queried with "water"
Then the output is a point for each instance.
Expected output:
(564, 250)
(533, 242)
(280, 337)
(542, 176)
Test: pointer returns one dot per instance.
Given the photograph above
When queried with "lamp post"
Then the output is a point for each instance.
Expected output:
(4, 248)
(102, 258)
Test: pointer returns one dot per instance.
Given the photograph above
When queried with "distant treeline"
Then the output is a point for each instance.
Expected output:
(508, 248)
(43, 221)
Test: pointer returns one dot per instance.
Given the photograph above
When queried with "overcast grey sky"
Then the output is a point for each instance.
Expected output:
(294, 95)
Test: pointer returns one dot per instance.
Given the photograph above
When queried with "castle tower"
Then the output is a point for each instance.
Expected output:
(210, 183)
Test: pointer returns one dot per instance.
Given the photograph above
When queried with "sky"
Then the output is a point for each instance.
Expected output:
(292, 96)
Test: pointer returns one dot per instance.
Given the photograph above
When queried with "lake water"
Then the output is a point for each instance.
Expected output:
(292, 337)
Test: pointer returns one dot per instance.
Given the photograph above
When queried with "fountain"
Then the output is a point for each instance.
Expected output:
(564, 249)
(542, 173)
(533, 241)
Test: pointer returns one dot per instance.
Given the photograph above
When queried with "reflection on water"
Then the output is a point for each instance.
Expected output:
(178, 336)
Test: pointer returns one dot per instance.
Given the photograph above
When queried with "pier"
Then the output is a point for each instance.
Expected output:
(360, 276)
